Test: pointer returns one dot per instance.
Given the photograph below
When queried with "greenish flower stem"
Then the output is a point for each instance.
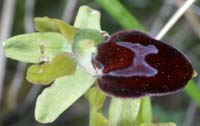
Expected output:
(145, 113)
(124, 112)
(96, 99)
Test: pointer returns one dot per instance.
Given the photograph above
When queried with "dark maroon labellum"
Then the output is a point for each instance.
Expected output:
(134, 65)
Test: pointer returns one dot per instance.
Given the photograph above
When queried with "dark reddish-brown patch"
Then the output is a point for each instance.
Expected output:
(173, 70)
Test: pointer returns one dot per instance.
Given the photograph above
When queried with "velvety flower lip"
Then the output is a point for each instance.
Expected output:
(139, 66)
(133, 65)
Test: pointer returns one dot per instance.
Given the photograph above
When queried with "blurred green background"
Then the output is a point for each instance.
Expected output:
(18, 99)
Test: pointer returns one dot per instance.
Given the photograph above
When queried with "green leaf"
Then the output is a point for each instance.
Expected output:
(158, 124)
(45, 24)
(124, 112)
(120, 14)
(62, 94)
(62, 64)
(36, 47)
(145, 113)
(193, 91)
(88, 18)
(84, 45)
(96, 99)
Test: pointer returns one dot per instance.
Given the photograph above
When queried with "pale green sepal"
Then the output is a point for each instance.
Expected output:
(35, 47)
(63, 93)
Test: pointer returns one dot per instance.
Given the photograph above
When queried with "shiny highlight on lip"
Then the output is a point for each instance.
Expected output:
(139, 66)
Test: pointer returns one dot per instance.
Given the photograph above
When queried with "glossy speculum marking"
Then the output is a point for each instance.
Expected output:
(139, 66)
(134, 65)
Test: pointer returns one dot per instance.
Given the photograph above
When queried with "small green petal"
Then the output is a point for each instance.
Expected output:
(45, 24)
(63, 64)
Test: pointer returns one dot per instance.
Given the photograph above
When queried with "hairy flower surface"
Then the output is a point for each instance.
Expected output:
(134, 65)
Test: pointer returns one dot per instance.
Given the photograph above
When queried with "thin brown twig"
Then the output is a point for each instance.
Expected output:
(174, 18)
(191, 17)
(164, 12)
(15, 86)
(30, 97)
(29, 15)
(69, 10)
(195, 9)
(5, 30)
(190, 114)
(193, 22)
(21, 67)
